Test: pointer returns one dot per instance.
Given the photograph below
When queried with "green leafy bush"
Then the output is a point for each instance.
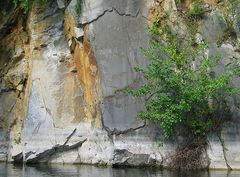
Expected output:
(196, 10)
(178, 1)
(27, 4)
(78, 7)
(23, 4)
(182, 91)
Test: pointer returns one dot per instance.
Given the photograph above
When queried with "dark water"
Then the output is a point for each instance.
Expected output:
(9, 170)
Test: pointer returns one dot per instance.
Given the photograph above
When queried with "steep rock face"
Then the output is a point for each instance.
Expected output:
(75, 78)
(61, 92)
(221, 34)
(60, 104)
(13, 76)
(115, 34)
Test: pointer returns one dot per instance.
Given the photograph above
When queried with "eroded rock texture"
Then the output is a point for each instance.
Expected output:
(62, 76)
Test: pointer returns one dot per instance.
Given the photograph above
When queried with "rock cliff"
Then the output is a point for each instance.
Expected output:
(63, 69)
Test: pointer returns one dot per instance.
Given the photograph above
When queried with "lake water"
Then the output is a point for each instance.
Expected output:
(9, 170)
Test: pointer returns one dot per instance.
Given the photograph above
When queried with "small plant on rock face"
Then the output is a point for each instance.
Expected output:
(182, 92)
(178, 1)
(23, 4)
(27, 4)
(234, 8)
(78, 10)
(78, 7)
(196, 10)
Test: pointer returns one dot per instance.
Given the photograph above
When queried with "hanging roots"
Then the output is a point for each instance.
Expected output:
(189, 157)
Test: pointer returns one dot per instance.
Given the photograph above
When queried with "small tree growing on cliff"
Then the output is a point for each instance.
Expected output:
(182, 91)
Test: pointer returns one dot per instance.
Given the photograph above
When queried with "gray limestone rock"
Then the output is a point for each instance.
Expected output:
(92, 10)
(118, 49)
(7, 101)
(213, 27)
(125, 158)
(61, 4)
(56, 118)
(117, 37)
(55, 96)
(215, 152)
(120, 112)
(17, 74)
(79, 33)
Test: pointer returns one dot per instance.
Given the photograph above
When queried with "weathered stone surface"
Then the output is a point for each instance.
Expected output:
(223, 151)
(79, 33)
(213, 27)
(92, 10)
(117, 50)
(8, 101)
(98, 149)
(215, 153)
(116, 58)
(61, 4)
(13, 76)
(223, 148)
(56, 119)
(145, 142)
(230, 136)
(126, 158)
(120, 112)
(70, 81)
(54, 93)
(16, 75)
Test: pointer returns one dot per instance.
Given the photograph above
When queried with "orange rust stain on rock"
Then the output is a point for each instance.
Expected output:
(87, 69)
(88, 74)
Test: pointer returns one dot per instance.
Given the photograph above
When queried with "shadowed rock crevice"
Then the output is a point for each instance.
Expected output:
(84, 61)
(113, 9)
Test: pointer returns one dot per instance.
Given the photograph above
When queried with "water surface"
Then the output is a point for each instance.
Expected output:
(9, 170)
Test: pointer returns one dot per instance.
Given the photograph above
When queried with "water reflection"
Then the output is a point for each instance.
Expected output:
(9, 170)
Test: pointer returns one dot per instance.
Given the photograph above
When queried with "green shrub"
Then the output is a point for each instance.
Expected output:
(23, 4)
(196, 10)
(182, 92)
(178, 1)
(27, 4)
(78, 7)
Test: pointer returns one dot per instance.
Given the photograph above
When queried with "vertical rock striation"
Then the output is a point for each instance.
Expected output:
(63, 71)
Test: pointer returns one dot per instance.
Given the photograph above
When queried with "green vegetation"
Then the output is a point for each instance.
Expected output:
(17, 140)
(178, 1)
(196, 10)
(187, 92)
(23, 4)
(182, 91)
(78, 8)
(27, 4)
(234, 2)
(234, 7)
